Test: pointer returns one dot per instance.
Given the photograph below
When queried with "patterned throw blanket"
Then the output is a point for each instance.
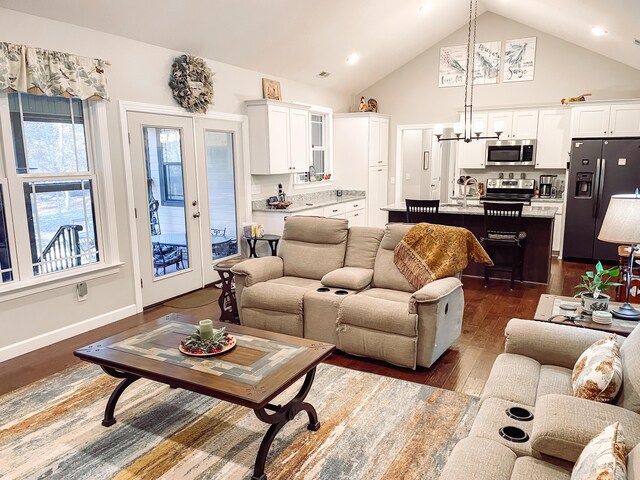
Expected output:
(428, 252)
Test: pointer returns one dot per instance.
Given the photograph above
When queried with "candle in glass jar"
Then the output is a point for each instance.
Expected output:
(206, 329)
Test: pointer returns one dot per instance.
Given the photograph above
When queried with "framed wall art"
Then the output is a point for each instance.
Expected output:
(519, 60)
(486, 63)
(271, 89)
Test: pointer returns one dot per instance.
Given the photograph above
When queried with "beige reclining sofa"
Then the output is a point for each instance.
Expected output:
(534, 373)
(339, 285)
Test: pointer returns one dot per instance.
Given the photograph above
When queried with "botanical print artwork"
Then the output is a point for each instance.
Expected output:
(486, 63)
(519, 60)
(453, 66)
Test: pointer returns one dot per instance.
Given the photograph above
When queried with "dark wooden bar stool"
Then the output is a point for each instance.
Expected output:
(504, 239)
(422, 210)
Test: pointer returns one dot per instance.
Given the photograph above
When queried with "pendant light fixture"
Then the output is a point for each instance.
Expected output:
(469, 131)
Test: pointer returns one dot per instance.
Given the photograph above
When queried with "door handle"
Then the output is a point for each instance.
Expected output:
(596, 188)
(601, 186)
(196, 215)
(194, 203)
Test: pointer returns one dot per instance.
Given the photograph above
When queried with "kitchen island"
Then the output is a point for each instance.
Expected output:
(537, 222)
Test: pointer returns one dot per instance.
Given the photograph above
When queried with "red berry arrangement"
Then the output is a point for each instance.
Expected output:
(197, 345)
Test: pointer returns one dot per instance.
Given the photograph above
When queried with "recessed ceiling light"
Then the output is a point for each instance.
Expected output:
(426, 8)
(599, 31)
(353, 59)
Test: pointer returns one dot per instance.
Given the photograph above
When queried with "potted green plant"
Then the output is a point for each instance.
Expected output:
(592, 286)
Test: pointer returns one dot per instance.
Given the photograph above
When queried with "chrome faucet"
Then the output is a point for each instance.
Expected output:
(466, 183)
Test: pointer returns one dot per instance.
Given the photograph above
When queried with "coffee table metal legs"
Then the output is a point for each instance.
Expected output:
(281, 416)
(128, 379)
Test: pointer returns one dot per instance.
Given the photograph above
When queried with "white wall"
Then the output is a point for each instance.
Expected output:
(411, 94)
(140, 73)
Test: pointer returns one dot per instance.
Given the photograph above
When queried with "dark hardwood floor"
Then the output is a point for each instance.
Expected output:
(463, 368)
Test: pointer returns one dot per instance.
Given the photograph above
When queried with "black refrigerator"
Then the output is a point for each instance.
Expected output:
(598, 169)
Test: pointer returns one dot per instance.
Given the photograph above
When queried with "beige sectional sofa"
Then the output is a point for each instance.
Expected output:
(535, 373)
(339, 285)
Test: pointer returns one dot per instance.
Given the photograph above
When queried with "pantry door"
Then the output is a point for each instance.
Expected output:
(167, 206)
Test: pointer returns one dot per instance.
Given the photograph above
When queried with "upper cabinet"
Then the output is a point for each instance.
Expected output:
(516, 125)
(278, 137)
(554, 141)
(378, 141)
(473, 154)
(605, 121)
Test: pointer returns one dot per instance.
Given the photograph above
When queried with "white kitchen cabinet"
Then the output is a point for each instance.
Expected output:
(361, 159)
(554, 140)
(621, 120)
(590, 121)
(471, 155)
(624, 120)
(516, 125)
(357, 218)
(377, 196)
(378, 141)
(278, 137)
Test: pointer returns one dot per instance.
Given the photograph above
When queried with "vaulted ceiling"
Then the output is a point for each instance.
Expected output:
(297, 39)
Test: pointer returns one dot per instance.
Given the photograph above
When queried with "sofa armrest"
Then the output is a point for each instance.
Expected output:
(549, 343)
(434, 291)
(256, 270)
(563, 425)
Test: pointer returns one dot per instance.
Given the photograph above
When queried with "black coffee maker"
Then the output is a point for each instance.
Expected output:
(547, 186)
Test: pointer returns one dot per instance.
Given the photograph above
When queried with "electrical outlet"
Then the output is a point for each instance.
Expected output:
(408, 176)
(82, 291)
(392, 180)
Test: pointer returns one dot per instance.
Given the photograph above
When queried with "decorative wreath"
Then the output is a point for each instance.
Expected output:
(191, 83)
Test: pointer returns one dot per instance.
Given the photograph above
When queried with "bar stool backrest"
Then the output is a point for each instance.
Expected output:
(503, 219)
(421, 210)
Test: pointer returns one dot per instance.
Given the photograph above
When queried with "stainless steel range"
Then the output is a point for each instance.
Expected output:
(509, 190)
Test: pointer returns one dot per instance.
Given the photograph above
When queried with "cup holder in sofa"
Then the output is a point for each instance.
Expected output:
(341, 292)
(323, 289)
(514, 434)
(519, 413)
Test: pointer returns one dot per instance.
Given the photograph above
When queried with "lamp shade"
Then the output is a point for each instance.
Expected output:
(622, 221)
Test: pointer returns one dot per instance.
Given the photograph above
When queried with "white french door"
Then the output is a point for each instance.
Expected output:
(167, 206)
(188, 183)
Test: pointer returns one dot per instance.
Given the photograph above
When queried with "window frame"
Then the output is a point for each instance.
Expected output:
(327, 148)
(25, 282)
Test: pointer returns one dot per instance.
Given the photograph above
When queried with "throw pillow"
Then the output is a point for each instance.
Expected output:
(352, 278)
(597, 375)
(604, 457)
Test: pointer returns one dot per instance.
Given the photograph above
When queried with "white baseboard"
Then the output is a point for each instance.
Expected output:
(48, 338)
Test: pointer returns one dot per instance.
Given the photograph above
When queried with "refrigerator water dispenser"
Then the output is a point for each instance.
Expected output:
(584, 185)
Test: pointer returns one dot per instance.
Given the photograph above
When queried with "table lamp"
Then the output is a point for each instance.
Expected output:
(622, 225)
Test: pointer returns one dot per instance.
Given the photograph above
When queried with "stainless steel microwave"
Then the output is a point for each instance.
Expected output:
(511, 152)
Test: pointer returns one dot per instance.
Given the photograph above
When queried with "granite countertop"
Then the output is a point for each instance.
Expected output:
(533, 200)
(308, 205)
(450, 208)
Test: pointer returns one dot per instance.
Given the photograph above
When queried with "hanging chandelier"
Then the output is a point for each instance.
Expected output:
(469, 131)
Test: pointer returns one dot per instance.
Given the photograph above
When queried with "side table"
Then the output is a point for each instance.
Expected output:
(549, 307)
(273, 243)
(227, 301)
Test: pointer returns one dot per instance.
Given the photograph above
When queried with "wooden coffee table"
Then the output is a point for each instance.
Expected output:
(548, 308)
(257, 369)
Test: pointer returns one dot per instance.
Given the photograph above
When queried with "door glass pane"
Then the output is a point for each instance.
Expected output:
(61, 220)
(165, 192)
(222, 193)
(6, 274)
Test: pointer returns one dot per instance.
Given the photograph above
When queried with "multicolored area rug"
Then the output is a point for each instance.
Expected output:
(373, 427)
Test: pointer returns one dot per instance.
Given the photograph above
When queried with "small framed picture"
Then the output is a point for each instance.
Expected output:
(271, 89)
(425, 160)
(273, 200)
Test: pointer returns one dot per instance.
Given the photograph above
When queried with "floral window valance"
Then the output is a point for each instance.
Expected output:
(46, 72)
